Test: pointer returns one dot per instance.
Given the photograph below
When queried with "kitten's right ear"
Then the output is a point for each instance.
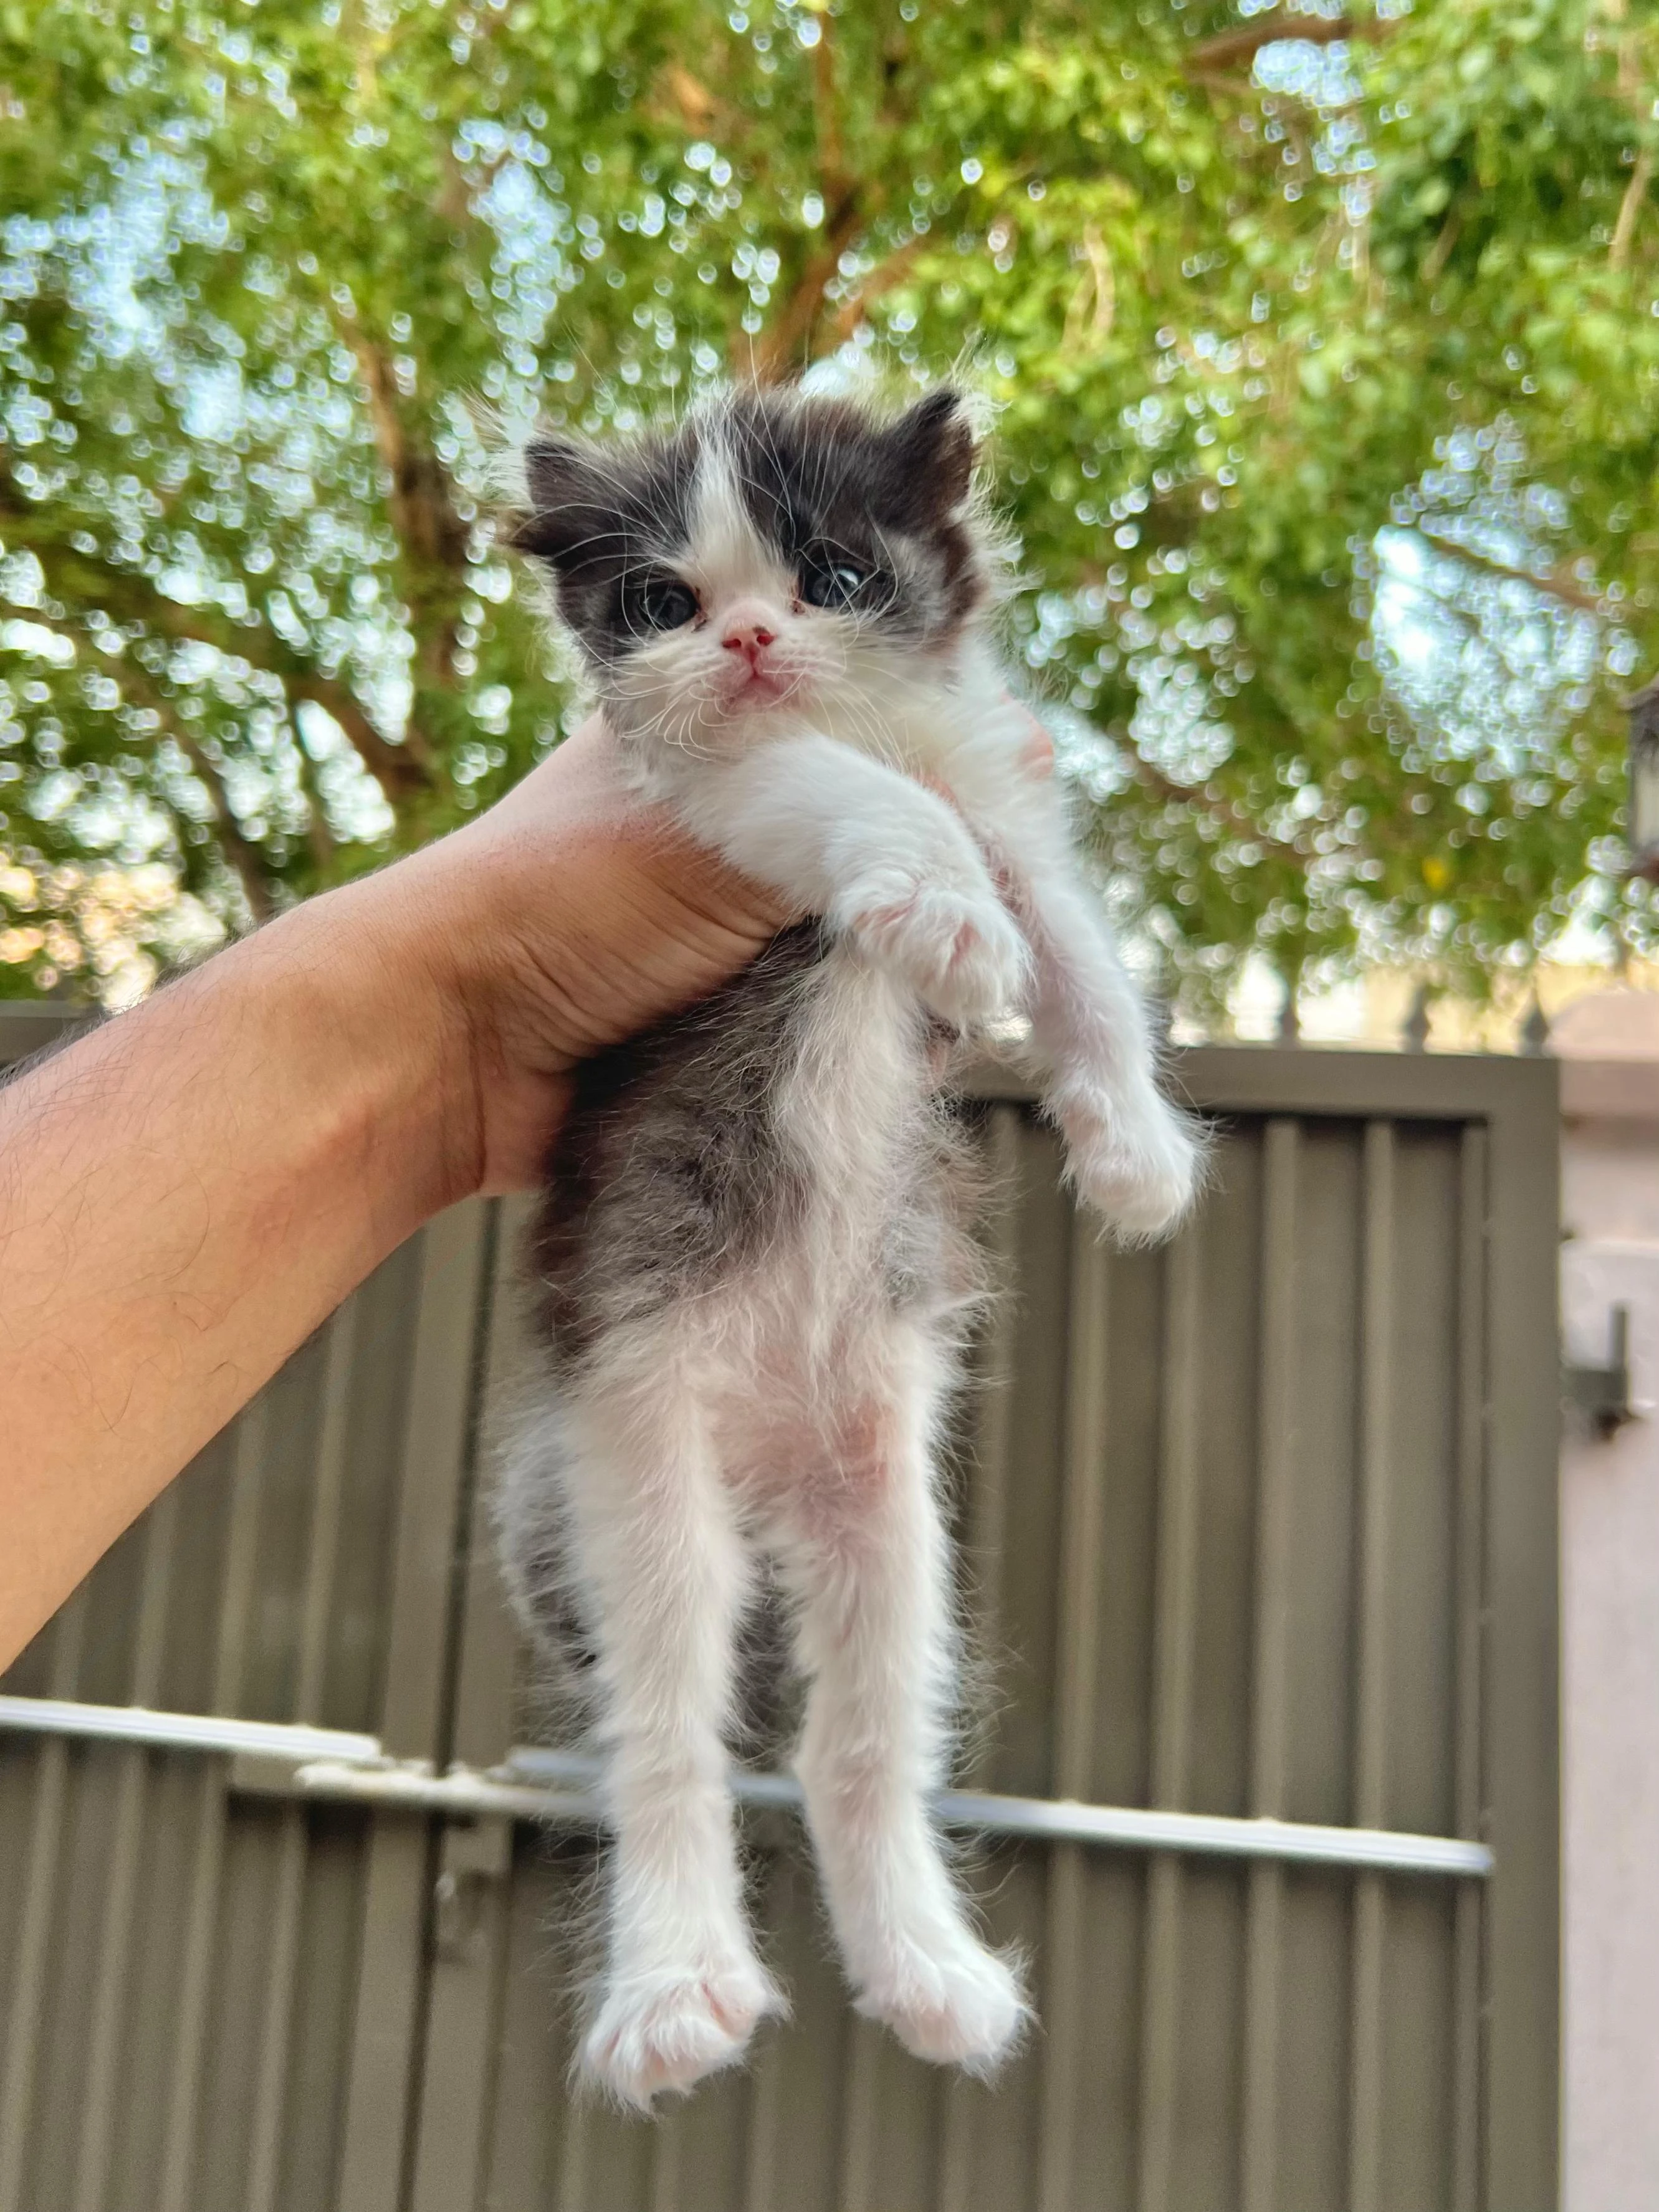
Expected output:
(567, 495)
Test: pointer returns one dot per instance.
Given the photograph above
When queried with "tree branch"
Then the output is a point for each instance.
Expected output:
(404, 772)
(1630, 208)
(1211, 56)
(319, 836)
(685, 99)
(826, 114)
(792, 330)
(1098, 288)
(1558, 585)
(791, 333)
(1441, 252)
(243, 854)
(422, 514)
(882, 278)
(431, 534)
(1224, 810)
(401, 775)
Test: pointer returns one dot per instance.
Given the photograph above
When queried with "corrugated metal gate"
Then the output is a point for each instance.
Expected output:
(1261, 1525)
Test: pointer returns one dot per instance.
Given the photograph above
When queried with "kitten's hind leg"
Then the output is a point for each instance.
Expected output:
(663, 1576)
(864, 1560)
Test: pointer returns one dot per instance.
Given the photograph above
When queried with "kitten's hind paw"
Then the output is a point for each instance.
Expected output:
(664, 2031)
(955, 2004)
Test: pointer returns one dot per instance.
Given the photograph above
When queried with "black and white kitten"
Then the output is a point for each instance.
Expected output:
(753, 1258)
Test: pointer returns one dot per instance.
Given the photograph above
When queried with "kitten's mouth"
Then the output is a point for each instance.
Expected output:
(758, 687)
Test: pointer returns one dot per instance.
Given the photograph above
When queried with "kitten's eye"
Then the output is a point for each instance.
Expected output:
(658, 603)
(830, 579)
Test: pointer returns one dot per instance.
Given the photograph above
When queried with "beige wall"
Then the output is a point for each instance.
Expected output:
(1610, 1619)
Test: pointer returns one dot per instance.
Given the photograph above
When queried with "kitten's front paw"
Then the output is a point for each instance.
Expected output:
(1138, 1163)
(666, 2031)
(950, 2001)
(959, 948)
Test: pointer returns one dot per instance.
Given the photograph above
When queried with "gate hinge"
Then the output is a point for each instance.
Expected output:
(474, 1859)
(1602, 1395)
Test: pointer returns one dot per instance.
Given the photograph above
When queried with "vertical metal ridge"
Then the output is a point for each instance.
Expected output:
(1269, 1715)
(987, 1502)
(1160, 2033)
(986, 1539)
(28, 1981)
(1371, 1687)
(1176, 1619)
(114, 1956)
(1081, 1513)
(241, 1554)
(667, 2157)
(1365, 2061)
(1077, 1664)
(277, 2019)
(461, 2007)
(862, 2063)
(276, 2015)
(1469, 1572)
(764, 2117)
(1173, 1633)
(202, 1912)
(1264, 1920)
(765, 2130)
(417, 1654)
(571, 2194)
(327, 1494)
(954, 2184)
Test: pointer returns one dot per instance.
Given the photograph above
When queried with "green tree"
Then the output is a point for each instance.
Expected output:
(1325, 352)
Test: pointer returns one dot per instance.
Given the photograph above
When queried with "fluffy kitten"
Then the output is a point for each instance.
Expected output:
(752, 1253)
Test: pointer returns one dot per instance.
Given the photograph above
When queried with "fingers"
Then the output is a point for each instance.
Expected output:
(1037, 755)
(1038, 758)
(584, 786)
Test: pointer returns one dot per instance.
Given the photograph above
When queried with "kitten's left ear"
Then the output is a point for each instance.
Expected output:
(929, 455)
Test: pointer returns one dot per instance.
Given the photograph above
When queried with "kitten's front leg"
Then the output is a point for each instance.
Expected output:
(876, 854)
(1135, 1156)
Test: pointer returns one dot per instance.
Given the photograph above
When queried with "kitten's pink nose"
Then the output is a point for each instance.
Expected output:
(747, 629)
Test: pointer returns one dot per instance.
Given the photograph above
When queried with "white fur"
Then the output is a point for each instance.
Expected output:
(794, 1413)
(815, 794)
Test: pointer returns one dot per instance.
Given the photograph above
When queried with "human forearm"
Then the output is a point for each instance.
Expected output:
(185, 1194)
(183, 1197)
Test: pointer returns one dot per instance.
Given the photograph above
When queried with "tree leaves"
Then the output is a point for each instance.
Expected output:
(1324, 366)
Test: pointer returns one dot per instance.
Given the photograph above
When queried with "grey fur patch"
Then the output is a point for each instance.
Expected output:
(672, 1174)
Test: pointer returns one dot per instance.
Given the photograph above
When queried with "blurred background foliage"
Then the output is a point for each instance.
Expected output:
(1324, 345)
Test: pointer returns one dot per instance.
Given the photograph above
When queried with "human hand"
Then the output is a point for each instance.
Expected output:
(1038, 758)
(566, 919)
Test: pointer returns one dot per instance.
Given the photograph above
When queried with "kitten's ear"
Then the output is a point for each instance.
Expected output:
(929, 462)
(567, 493)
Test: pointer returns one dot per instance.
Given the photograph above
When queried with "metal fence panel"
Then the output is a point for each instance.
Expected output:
(1230, 1535)
(1260, 1524)
(180, 2023)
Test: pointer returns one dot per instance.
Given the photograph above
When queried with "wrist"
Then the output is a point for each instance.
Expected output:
(478, 1054)
(377, 1051)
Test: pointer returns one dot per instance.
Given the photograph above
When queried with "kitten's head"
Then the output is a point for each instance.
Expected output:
(775, 557)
